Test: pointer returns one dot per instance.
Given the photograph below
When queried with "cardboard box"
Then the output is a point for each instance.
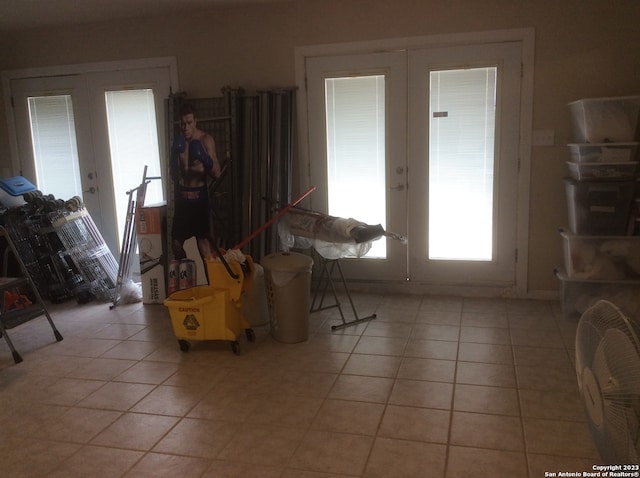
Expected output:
(151, 229)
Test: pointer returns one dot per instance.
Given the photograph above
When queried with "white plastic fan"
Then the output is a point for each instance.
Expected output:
(608, 372)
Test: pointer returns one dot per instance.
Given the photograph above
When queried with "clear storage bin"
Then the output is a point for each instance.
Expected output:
(599, 207)
(601, 257)
(603, 152)
(605, 120)
(583, 171)
(577, 295)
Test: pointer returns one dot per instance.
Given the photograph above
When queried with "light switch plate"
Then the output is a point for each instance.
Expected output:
(543, 137)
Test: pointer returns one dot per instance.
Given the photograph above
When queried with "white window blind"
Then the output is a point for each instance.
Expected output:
(355, 109)
(55, 152)
(461, 164)
(133, 142)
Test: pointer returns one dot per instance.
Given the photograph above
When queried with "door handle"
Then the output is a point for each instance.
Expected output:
(91, 190)
(399, 187)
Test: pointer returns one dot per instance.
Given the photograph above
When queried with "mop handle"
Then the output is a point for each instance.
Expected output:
(282, 212)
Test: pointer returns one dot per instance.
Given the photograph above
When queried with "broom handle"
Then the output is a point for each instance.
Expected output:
(282, 212)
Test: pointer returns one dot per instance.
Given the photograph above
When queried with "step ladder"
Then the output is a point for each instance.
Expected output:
(13, 317)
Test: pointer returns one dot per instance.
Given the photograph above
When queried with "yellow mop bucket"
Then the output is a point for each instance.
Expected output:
(221, 278)
(213, 312)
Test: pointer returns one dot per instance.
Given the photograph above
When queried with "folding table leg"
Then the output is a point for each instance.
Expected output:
(326, 283)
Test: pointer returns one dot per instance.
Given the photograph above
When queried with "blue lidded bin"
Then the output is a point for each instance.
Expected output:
(12, 189)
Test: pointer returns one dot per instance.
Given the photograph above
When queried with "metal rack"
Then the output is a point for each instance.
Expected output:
(12, 317)
(41, 251)
(217, 117)
(89, 253)
(254, 143)
(136, 201)
(64, 252)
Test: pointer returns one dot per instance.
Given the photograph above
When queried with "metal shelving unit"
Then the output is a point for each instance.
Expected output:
(13, 317)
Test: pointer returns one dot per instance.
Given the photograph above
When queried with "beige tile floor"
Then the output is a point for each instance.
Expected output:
(433, 387)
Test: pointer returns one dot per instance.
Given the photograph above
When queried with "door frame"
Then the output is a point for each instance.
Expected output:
(526, 37)
(67, 70)
(393, 67)
(87, 75)
(499, 270)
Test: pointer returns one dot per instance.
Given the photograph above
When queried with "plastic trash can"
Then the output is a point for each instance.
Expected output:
(288, 287)
(254, 302)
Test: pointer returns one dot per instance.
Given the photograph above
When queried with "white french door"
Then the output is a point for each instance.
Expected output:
(463, 156)
(444, 123)
(358, 154)
(90, 135)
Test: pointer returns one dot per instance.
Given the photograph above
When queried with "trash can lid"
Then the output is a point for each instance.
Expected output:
(287, 262)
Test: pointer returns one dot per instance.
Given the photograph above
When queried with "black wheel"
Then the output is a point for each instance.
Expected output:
(184, 345)
(235, 346)
(251, 335)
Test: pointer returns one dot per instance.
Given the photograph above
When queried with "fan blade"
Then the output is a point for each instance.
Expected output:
(588, 339)
(614, 440)
(591, 398)
(624, 364)
(600, 367)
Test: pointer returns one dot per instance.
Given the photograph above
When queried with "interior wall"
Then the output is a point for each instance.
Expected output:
(583, 48)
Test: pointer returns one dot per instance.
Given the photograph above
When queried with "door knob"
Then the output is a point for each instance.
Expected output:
(90, 175)
(91, 190)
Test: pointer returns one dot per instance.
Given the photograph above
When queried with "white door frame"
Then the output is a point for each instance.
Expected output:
(393, 67)
(92, 78)
(524, 36)
(500, 269)
(64, 70)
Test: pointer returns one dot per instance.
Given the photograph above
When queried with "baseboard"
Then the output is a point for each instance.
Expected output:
(418, 288)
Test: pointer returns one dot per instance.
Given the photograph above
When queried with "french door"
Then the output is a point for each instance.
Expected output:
(439, 127)
(357, 140)
(90, 135)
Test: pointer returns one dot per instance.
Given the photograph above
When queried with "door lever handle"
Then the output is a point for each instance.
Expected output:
(91, 190)
(399, 187)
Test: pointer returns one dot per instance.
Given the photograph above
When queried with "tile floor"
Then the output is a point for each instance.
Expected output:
(433, 387)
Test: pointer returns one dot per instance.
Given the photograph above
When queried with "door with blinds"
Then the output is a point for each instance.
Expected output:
(463, 157)
(357, 140)
(91, 135)
(444, 140)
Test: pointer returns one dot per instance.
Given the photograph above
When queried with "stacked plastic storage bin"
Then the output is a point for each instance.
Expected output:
(601, 252)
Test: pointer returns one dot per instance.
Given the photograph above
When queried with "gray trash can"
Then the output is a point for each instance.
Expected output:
(287, 278)
(254, 302)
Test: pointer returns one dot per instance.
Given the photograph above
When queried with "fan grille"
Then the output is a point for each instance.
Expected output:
(608, 372)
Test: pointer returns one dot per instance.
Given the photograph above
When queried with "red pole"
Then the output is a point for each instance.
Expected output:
(281, 213)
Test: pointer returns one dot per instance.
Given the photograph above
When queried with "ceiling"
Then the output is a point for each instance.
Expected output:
(18, 15)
